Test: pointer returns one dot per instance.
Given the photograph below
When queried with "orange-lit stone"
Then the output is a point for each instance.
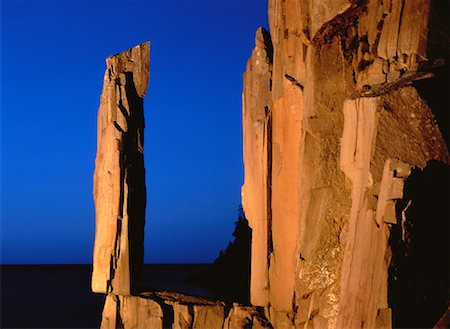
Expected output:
(119, 178)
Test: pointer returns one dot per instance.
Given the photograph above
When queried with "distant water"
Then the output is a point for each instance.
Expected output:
(59, 296)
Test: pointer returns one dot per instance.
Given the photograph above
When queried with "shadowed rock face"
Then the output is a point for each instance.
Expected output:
(119, 178)
(344, 164)
(335, 119)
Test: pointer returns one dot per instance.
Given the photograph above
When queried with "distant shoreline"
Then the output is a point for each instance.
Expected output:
(60, 296)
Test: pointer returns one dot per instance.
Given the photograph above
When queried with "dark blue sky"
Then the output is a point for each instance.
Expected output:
(52, 64)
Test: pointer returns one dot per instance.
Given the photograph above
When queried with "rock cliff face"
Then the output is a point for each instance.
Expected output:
(334, 122)
(119, 178)
(346, 172)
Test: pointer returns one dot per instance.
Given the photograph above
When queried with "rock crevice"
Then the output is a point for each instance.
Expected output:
(340, 145)
(348, 126)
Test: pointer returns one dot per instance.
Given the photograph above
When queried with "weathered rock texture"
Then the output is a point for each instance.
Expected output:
(257, 131)
(346, 172)
(119, 178)
(246, 317)
(158, 310)
(335, 121)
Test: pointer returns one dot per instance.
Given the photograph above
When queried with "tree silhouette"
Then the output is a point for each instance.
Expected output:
(230, 272)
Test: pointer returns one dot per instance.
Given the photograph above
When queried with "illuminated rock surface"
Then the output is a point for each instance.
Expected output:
(328, 151)
(119, 178)
(158, 310)
(346, 164)
(257, 130)
(162, 310)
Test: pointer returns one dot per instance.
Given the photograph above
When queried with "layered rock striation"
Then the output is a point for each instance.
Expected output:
(335, 120)
(346, 163)
(257, 131)
(119, 178)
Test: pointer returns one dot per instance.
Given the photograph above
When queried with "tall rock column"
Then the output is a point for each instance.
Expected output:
(119, 178)
(256, 192)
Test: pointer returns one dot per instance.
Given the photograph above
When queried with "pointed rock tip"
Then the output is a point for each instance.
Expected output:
(261, 34)
(142, 46)
(136, 60)
(145, 45)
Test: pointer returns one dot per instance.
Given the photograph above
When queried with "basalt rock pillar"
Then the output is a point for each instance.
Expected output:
(256, 117)
(119, 178)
